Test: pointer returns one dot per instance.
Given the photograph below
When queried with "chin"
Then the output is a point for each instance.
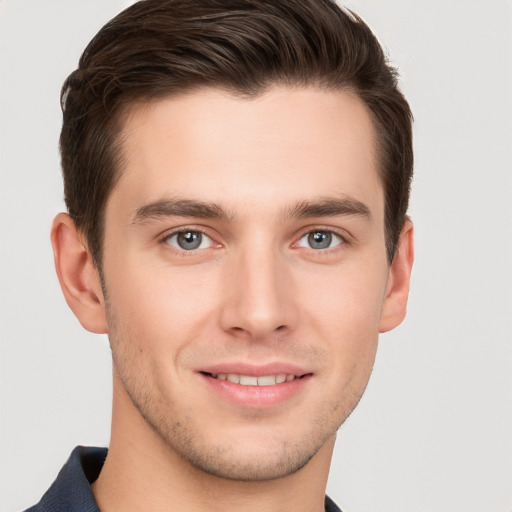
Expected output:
(257, 453)
(248, 464)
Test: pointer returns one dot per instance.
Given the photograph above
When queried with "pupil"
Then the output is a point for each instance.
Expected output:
(189, 240)
(320, 240)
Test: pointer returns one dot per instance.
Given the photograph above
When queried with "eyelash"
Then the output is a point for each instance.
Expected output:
(332, 237)
(165, 240)
(342, 239)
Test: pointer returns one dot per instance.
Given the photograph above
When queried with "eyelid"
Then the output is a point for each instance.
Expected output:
(345, 237)
(342, 234)
(163, 238)
(335, 238)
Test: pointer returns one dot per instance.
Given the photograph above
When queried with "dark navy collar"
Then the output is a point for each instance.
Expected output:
(330, 506)
(71, 491)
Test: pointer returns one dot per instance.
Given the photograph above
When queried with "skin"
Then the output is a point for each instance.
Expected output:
(256, 292)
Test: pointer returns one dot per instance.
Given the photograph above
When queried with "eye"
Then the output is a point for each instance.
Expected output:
(320, 239)
(189, 240)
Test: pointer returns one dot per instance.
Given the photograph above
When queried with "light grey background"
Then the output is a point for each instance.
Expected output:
(433, 431)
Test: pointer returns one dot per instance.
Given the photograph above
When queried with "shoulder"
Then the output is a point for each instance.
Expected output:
(71, 490)
(330, 506)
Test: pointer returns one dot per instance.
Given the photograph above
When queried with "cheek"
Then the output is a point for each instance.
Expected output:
(345, 313)
(159, 308)
(349, 301)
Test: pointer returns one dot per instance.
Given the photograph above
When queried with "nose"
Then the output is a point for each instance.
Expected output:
(258, 295)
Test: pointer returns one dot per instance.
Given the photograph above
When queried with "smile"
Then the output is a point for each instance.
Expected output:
(250, 380)
(256, 387)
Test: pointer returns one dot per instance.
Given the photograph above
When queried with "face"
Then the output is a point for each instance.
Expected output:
(245, 273)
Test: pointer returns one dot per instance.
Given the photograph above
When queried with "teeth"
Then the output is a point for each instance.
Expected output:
(267, 380)
(249, 380)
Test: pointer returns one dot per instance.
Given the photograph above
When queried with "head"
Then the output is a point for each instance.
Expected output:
(237, 177)
(157, 49)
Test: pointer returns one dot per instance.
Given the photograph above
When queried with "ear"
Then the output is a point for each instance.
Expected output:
(397, 290)
(79, 279)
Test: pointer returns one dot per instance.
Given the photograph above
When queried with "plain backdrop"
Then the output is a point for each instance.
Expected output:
(433, 431)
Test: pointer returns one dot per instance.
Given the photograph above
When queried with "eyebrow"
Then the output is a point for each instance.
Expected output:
(327, 207)
(180, 208)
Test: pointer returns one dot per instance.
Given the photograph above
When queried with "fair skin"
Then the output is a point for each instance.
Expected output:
(244, 238)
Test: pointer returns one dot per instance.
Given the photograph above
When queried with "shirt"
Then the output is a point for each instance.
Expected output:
(71, 491)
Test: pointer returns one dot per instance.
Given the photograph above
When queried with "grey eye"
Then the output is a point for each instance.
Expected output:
(189, 240)
(320, 239)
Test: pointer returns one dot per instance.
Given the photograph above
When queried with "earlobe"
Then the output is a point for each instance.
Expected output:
(78, 276)
(397, 291)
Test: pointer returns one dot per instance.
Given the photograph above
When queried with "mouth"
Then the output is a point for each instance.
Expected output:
(252, 380)
(250, 387)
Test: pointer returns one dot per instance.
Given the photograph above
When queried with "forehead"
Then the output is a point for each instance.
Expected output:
(284, 145)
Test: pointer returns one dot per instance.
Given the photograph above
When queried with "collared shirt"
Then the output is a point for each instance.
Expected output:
(71, 491)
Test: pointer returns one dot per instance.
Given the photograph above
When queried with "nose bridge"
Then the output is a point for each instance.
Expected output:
(258, 302)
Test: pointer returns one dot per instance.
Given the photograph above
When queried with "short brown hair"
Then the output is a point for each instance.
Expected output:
(157, 48)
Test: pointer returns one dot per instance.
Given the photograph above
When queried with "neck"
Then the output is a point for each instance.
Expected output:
(142, 472)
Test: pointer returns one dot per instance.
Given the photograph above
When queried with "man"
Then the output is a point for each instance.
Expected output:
(237, 178)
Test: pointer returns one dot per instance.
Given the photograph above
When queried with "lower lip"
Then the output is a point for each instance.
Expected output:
(256, 397)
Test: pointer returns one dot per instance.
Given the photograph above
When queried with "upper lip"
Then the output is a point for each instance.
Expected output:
(275, 368)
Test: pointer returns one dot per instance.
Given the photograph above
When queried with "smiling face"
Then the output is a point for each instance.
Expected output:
(246, 275)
